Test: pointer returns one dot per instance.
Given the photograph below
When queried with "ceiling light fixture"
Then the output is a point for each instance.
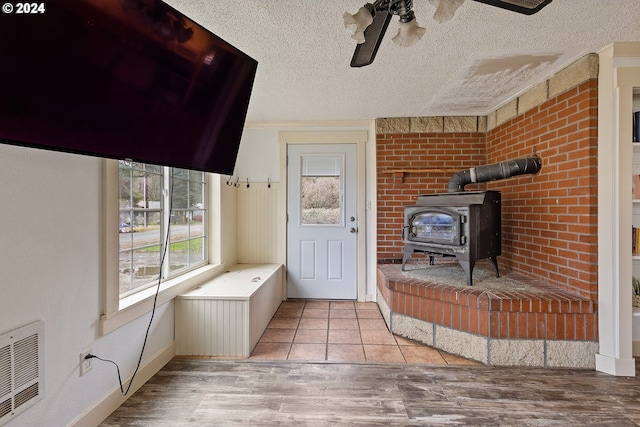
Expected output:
(409, 32)
(369, 24)
(357, 23)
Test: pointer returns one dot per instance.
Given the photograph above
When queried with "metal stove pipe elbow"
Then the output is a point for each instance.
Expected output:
(494, 172)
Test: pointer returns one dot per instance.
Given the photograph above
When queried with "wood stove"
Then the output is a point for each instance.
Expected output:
(462, 224)
(465, 225)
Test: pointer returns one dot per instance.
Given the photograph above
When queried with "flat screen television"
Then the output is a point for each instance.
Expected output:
(124, 79)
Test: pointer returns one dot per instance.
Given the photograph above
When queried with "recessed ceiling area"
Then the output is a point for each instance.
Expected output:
(479, 60)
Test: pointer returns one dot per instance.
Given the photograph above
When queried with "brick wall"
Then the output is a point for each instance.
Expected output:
(549, 219)
(402, 161)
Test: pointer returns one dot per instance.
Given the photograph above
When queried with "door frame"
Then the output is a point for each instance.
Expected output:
(359, 138)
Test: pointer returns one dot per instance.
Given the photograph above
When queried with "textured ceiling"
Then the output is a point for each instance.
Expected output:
(478, 61)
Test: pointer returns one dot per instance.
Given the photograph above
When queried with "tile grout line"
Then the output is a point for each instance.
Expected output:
(364, 353)
(296, 333)
(326, 348)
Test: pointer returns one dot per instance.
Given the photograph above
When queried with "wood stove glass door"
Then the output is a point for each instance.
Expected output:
(322, 226)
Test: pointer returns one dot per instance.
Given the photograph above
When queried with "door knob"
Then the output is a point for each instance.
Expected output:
(353, 230)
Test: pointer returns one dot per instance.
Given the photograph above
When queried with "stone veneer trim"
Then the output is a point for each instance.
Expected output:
(497, 352)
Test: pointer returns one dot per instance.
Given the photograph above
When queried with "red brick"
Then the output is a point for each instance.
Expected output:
(483, 323)
(494, 324)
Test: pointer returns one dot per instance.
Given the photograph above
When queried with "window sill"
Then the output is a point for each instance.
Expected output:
(141, 303)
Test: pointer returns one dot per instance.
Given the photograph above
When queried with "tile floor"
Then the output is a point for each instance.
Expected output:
(341, 331)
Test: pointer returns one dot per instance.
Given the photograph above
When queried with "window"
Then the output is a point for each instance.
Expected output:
(145, 208)
(136, 208)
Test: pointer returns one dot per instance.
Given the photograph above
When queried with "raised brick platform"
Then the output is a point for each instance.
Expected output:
(548, 328)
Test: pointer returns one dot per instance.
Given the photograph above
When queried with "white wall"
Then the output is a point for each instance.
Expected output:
(258, 157)
(228, 224)
(50, 270)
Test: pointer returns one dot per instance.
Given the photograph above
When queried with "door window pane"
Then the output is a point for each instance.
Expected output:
(321, 190)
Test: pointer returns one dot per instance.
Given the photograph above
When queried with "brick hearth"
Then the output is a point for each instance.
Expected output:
(508, 327)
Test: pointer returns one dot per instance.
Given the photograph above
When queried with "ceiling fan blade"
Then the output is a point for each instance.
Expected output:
(528, 7)
(373, 34)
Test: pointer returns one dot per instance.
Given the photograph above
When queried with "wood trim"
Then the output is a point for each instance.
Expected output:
(358, 137)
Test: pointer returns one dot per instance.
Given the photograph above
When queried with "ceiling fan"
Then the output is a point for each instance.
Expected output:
(369, 24)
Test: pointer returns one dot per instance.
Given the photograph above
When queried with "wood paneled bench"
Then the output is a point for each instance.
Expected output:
(226, 316)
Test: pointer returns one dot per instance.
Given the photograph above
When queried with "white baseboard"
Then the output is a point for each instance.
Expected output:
(101, 410)
(616, 366)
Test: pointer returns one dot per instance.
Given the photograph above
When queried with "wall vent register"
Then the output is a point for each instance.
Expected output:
(21, 376)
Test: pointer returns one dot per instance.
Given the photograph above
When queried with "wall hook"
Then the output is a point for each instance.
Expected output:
(268, 182)
(237, 182)
(247, 182)
(229, 181)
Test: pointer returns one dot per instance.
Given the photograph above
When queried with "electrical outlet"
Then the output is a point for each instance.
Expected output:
(85, 364)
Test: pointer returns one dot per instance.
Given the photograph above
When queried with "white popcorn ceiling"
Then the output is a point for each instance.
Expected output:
(471, 65)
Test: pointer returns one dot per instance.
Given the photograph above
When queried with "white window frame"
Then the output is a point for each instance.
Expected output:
(118, 312)
(160, 208)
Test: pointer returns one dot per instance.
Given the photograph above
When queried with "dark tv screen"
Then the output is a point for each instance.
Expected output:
(124, 79)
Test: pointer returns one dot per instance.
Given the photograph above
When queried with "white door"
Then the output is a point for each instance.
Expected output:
(322, 225)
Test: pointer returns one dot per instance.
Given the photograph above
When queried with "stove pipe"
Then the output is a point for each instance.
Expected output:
(494, 172)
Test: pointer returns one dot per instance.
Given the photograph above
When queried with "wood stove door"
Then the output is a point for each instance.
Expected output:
(322, 222)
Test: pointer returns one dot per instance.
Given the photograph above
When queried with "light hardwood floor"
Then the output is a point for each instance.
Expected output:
(191, 392)
(325, 363)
